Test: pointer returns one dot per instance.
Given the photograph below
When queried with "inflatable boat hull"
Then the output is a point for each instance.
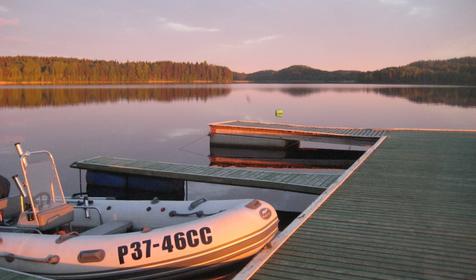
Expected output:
(166, 239)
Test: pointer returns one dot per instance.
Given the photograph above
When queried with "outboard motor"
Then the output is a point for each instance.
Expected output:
(4, 187)
(4, 192)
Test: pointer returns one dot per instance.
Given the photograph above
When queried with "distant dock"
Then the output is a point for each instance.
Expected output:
(236, 131)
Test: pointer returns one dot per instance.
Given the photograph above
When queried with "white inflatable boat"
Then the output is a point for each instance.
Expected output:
(44, 233)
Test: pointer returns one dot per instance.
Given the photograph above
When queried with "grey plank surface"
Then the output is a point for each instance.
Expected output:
(355, 132)
(309, 182)
(409, 212)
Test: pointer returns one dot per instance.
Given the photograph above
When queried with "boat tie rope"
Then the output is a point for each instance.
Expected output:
(50, 259)
(199, 214)
(196, 203)
(63, 237)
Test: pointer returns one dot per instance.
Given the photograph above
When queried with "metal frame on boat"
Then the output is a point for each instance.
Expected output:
(45, 233)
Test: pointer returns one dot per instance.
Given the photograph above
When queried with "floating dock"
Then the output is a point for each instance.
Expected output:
(305, 182)
(254, 133)
(405, 210)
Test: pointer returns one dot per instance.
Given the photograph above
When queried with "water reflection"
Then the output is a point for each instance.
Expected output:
(305, 90)
(289, 157)
(454, 96)
(24, 97)
(460, 96)
(170, 122)
(302, 91)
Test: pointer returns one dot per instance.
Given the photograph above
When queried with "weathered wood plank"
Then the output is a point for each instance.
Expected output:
(312, 183)
(408, 212)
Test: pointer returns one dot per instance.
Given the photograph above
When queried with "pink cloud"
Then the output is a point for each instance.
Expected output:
(8, 21)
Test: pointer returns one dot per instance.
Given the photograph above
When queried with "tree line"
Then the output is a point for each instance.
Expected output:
(456, 71)
(33, 69)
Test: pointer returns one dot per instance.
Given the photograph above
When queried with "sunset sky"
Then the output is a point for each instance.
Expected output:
(244, 35)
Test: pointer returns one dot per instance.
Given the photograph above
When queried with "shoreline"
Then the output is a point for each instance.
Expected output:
(6, 84)
(43, 83)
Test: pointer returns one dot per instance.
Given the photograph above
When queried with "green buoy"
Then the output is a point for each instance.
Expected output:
(279, 113)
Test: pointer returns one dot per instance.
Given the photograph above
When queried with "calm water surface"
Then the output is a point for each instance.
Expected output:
(170, 123)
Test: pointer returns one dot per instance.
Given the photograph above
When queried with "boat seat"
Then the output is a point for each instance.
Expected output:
(111, 227)
(49, 218)
(55, 216)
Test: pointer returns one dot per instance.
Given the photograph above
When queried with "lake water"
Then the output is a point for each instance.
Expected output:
(170, 122)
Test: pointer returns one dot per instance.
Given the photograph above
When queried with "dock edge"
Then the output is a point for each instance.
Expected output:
(262, 257)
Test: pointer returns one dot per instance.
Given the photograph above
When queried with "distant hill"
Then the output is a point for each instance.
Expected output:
(33, 69)
(302, 73)
(457, 71)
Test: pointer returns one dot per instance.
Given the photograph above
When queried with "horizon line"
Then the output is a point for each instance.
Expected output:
(213, 64)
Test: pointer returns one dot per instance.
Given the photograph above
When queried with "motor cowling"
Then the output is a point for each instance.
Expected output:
(4, 187)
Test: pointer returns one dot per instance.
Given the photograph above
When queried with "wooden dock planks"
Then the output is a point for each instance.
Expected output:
(408, 211)
(309, 182)
(237, 131)
(254, 127)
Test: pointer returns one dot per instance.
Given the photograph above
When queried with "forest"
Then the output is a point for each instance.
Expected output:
(59, 70)
(456, 71)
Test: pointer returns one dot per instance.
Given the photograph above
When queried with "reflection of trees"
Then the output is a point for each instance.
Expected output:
(38, 97)
(455, 96)
(463, 97)
(303, 91)
(297, 91)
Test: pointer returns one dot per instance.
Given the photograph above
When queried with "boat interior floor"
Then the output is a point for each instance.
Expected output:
(112, 227)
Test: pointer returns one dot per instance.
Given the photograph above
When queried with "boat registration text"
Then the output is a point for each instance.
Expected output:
(169, 243)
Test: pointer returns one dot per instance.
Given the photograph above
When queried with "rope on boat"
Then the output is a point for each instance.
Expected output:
(63, 237)
(196, 203)
(50, 259)
(199, 214)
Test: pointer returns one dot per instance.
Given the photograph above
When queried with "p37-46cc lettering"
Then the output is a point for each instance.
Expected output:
(178, 241)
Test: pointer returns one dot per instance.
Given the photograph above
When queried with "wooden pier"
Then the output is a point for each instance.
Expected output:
(405, 210)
